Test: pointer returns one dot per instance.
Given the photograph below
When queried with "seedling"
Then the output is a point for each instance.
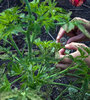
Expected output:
(67, 51)
(63, 41)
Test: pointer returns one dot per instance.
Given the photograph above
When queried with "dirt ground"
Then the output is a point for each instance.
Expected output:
(83, 12)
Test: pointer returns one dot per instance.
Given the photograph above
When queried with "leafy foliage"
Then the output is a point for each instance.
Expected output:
(37, 67)
(20, 95)
(76, 23)
(1, 1)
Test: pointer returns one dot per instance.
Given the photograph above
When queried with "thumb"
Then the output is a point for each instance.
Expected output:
(77, 38)
(60, 34)
(72, 46)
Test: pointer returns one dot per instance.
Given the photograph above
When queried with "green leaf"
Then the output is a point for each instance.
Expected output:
(1, 1)
(69, 26)
(81, 52)
(83, 30)
(87, 49)
(84, 87)
(22, 1)
(6, 85)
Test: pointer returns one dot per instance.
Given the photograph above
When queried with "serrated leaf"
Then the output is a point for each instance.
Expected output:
(83, 30)
(69, 26)
(81, 52)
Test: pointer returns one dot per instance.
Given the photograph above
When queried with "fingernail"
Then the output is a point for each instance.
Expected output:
(68, 42)
(57, 37)
(66, 45)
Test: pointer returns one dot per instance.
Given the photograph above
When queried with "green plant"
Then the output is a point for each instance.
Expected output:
(1, 1)
(35, 67)
(81, 73)
(33, 70)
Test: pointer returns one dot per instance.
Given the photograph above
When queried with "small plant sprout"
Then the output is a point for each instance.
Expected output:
(63, 41)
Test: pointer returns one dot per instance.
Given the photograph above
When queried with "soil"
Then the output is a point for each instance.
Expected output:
(83, 11)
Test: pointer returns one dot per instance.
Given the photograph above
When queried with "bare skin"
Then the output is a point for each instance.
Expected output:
(67, 62)
(75, 36)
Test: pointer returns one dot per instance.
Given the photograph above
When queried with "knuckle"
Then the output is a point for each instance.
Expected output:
(72, 43)
(76, 18)
(83, 44)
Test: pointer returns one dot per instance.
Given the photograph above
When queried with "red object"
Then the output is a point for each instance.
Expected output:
(77, 3)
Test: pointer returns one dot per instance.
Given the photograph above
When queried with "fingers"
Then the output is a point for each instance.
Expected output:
(74, 32)
(77, 38)
(74, 45)
(71, 46)
(66, 58)
(75, 54)
(61, 52)
(62, 55)
(60, 34)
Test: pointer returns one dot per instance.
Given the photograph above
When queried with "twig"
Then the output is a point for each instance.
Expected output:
(8, 3)
(86, 6)
(50, 35)
(75, 9)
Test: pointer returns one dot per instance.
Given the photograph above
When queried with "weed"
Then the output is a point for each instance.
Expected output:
(37, 67)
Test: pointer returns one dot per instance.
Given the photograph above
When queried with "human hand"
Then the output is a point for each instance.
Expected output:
(67, 61)
(75, 35)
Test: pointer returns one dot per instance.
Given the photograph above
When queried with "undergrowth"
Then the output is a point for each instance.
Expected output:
(36, 68)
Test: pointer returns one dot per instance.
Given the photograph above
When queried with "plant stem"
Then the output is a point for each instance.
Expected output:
(17, 79)
(59, 97)
(66, 85)
(29, 45)
(84, 87)
(28, 30)
(15, 46)
(62, 72)
(28, 6)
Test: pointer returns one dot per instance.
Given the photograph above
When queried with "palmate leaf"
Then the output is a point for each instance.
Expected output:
(11, 29)
(83, 30)
(47, 14)
(14, 29)
(47, 46)
(69, 26)
(20, 95)
(8, 22)
(80, 24)
(76, 23)
(9, 15)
